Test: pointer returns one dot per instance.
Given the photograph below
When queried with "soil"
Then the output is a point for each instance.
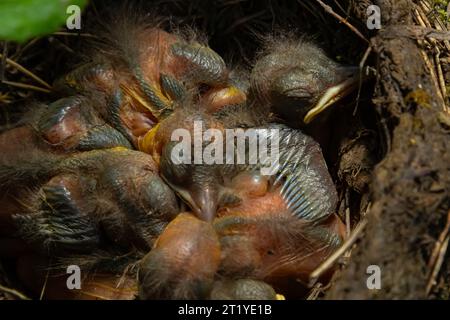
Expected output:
(410, 187)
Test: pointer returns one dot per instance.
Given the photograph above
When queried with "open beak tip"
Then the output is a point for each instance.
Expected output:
(334, 94)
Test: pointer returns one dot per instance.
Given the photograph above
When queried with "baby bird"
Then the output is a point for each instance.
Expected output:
(139, 73)
(298, 81)
(301, 176)
(275, 228)
(91, 208)
(73, 183)
(236, 257)
(184, 262)
(103, 176)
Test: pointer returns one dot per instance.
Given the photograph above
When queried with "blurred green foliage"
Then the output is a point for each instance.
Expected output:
(21, 20)
(441, 7)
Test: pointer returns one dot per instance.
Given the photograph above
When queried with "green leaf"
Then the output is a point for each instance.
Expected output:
(21, 20)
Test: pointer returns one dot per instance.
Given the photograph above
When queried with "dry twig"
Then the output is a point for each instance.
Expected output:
(25, 71)
(437, 256)
(327, 264)
(329, 10)
(14, 293)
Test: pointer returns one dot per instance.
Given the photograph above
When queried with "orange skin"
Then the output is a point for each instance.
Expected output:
(175, 241)
(183, 261)
(154, 142)
(186, 244)
(256, 247)
(22, 145)
(267, 225)
(217, 98)
(262, 224)
(155, 58)
(258, 200)
(259, 223)
(275, 249)
(190, 244)
(250, 239)
(158, 59)
(65, 135)
(257, 237)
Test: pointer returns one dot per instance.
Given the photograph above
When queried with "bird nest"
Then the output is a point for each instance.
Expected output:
(389, 151)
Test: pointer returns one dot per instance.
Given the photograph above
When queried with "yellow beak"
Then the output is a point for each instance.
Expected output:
(334, 94)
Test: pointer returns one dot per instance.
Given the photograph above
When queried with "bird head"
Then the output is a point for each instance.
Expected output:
(198, 185)
(182, 143)
(298, 80)
(183, 261)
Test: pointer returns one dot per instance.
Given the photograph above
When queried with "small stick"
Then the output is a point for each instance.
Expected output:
(14, 293)
(339, 6)
(423, 17)
(361, 70)
(44, 287)
(424, 22)
(338, 253)
(3, 62)
(65, 33)
(315, 292)
(437, 266)
(25, 86)
(427, 61)
(440, 75)
(348, 229)
(26, 71)
(437, 254)
(342, 20)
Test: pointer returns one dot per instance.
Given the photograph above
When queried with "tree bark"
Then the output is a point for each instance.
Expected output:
(410, 188)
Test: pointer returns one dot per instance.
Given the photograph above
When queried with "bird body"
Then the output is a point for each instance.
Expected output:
(91, 178)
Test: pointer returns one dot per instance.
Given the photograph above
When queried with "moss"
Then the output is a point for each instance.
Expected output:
(419, 97)
(441, 8)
